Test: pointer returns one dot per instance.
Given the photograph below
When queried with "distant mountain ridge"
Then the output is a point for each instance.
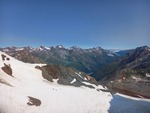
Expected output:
(138, 58)
(86, 60)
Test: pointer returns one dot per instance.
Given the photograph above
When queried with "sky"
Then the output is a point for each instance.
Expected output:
(110, 24)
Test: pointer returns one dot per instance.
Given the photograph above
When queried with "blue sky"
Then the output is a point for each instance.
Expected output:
(85, 23)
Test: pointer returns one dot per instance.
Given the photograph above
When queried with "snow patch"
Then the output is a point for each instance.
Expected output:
(110, 54)
(147, 74)
(87, 83)
(5, 50)
(79, 74)
(19, 49)
(60, 46)
(39, 48)
(48, 48)
(74, 80)
(85, 78)
(136, 78)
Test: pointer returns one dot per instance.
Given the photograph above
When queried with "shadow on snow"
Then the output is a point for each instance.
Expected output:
(120, 104)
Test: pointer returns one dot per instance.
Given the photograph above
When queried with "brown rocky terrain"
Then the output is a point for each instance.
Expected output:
(131, 73)
(133, 86)
(7, 69)
(65, 75)
(3, 57)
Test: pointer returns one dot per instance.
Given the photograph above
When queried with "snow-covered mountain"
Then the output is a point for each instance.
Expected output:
(86, 60)
(24, 89)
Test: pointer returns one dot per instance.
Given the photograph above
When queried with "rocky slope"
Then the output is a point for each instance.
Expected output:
(130, 74)
(65, 75)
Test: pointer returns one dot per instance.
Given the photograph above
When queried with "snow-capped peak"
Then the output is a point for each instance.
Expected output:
(19, 49)
(59, 46)
(48, 48)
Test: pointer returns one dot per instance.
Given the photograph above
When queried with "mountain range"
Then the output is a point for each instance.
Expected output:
(86, 60)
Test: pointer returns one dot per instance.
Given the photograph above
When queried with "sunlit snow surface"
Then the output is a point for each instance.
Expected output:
(55, 98)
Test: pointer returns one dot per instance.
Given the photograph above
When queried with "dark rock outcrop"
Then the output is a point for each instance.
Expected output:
(34, 101)
(3, 57)
(7, 69)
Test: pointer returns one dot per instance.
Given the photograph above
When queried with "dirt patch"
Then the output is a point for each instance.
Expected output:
(7, 69)
(33, 101)
(3, 56)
